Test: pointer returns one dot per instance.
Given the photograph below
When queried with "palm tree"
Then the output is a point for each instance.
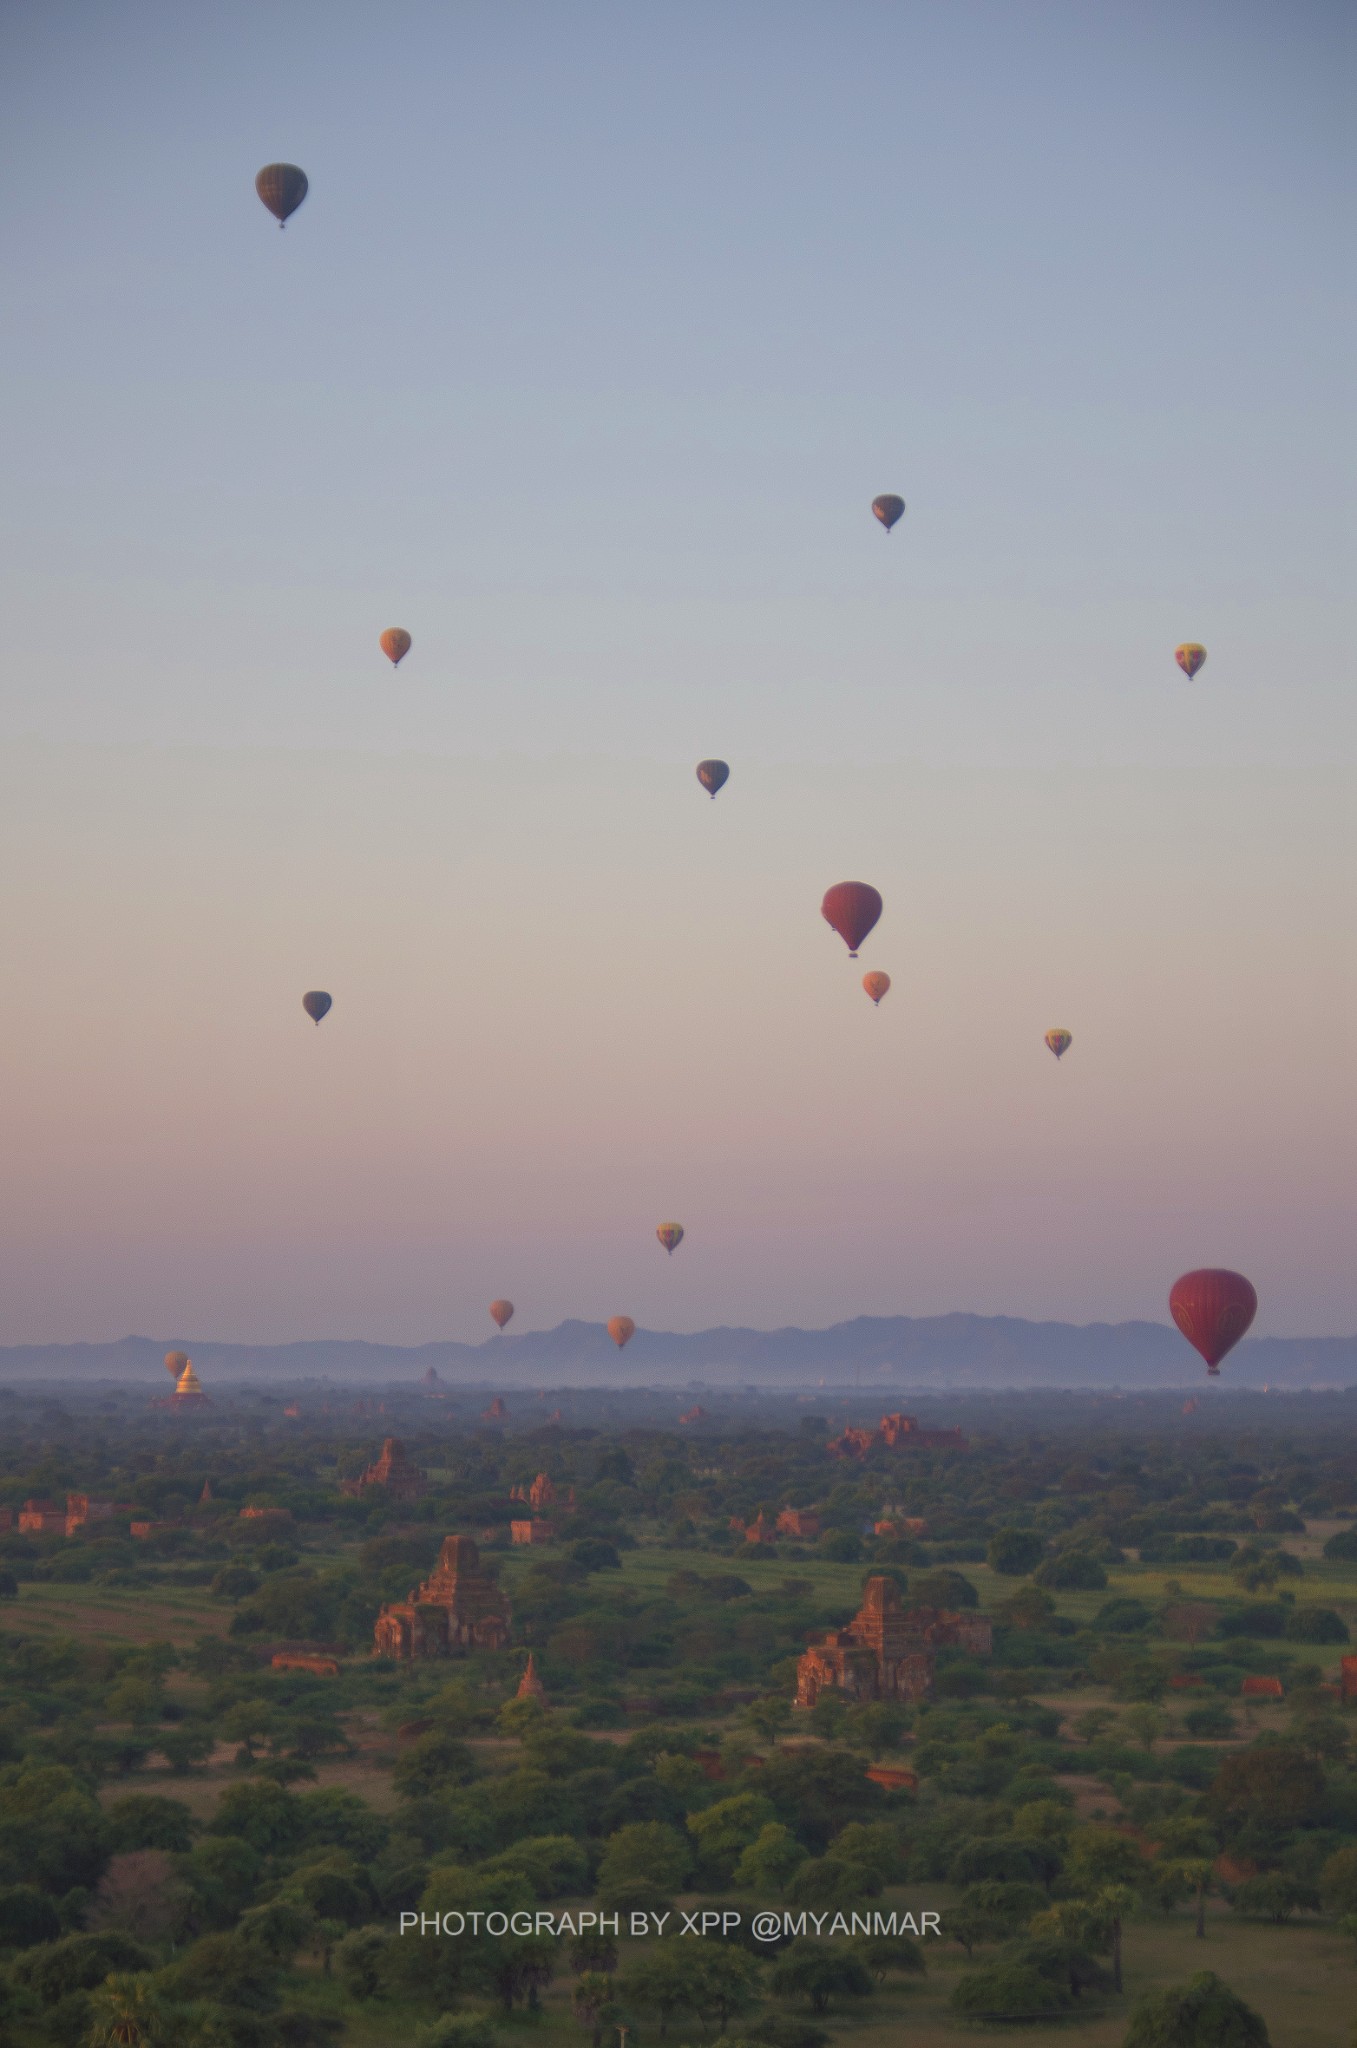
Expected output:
(128, 2015)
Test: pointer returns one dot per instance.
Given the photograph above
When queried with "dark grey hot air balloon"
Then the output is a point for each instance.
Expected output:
(316, 1004)
(282, 187)
(713, 775)
(888, 508)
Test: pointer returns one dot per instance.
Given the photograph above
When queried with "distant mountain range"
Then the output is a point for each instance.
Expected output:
(896, 1353)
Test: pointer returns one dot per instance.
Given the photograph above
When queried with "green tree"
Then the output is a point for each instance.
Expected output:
(770, 1862)
(129, 2012)
(1100, 1855)
(650, 1852)
(1338, 1880)
(1015, 1552)
(881, 1954)
(818, 1972)
(1204, 2013)
(1009, 1991)
(726, 1830)
(593, 2001)
(1145, 1724)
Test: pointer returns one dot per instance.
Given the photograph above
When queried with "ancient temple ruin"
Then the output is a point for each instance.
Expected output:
(458, 1608)
(395, 1470)
(887, 1651)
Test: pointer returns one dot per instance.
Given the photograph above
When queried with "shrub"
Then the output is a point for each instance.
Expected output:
(1316, 1625)
(27, 1917)
(1009, 1991)
(1343, 1546)
(1211, 1719)
(1072, 1571)
(1203, 2013)
(1015, 1552)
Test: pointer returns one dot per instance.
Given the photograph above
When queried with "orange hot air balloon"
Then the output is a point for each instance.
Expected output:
(501, 1312)
(395, 644)
(621, 1329)
(1213, 1308)
(670, 1236)
(1190, 656)
(1060, 1042)
(888, 509)
(876, 984)
(713, 775)
(175, 1361)
(282, 187)
(852, 908)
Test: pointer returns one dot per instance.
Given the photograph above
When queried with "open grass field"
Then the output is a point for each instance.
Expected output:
(122, 1614)
(1302, 1980)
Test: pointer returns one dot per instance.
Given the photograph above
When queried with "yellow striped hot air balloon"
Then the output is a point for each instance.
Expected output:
(1060, 1042)
(670, 1236)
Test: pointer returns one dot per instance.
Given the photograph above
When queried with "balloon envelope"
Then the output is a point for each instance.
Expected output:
(282, 187)
(501, 1312)
(395, 644)
(888, 509)
(876, 984)
(175, 1361)
(1190, 656)
(1060, 1042)
(670, 1236)
(852, 908)
(316, 1003)
(713, 775)
(1213, 1307)
(621, 1329)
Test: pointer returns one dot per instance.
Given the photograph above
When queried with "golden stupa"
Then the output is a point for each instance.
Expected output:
(188, 1386)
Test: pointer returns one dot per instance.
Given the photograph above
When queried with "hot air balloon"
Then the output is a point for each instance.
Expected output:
(175, 1361)
(282, 187)
(621, 1329)
(888, 509)
(670, 1236)
(501, 1312)
(395, 644)
(876, 984)
(713, 775)
(1213, 1308)
(1190, 656)
(852, 908)
(316, 1004)
(1060, 1042)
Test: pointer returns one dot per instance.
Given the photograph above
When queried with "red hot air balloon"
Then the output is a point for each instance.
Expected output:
(852, 908)
(876, 984)
(1213, 1308)
(621, 1329)
(501, 1312)
(888, 509)
(395, 644)
(713, 775)
(316, 1004)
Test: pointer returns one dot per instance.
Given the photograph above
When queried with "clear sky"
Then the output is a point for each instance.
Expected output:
(597, 334)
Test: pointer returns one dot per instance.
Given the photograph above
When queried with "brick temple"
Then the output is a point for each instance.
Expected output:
(887, 1651)
(458, 1607)
(395, 1470)
(897, 1433)
(543, 1493)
